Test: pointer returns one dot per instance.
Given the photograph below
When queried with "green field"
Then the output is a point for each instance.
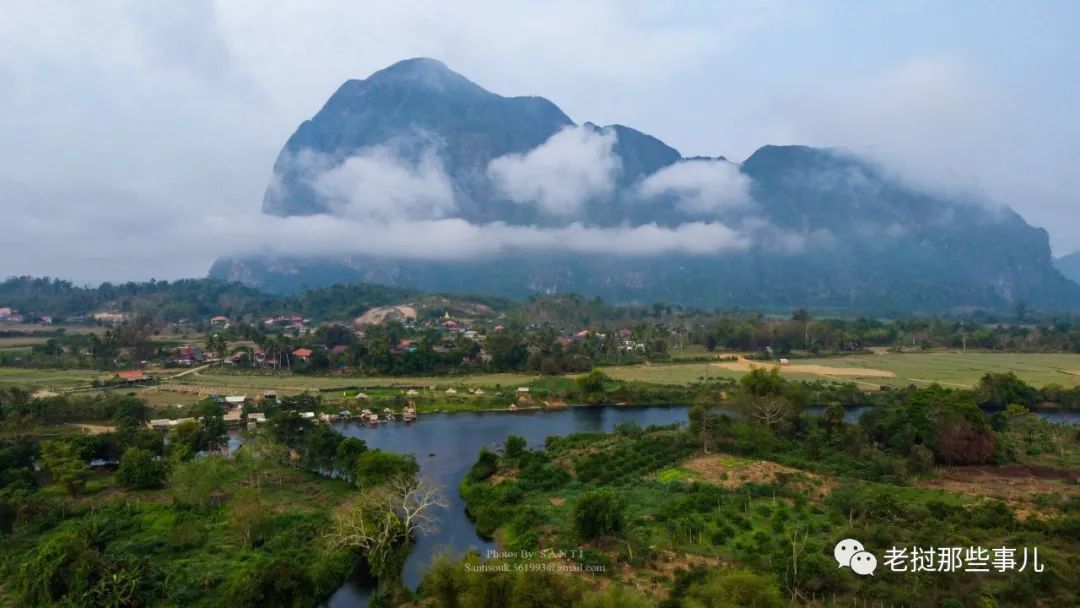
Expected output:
(48, 378)
(314, 383)
(960, 370)
(955, 369)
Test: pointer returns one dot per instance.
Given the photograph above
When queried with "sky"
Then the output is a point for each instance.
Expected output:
(137, 139)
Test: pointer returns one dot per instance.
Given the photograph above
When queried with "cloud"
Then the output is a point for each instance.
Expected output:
(126, 129)
(377, 184)
(701, 187)
(455, 238)
(573, 166)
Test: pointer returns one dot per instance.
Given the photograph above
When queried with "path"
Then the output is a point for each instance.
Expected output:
(190, 371)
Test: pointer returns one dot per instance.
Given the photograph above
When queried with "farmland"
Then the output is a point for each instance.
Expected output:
(959, 370)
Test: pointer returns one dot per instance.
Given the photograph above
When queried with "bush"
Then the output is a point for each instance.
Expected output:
(598, 513)
(140, 470)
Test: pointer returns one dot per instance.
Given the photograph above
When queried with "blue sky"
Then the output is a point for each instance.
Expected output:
(132, 132)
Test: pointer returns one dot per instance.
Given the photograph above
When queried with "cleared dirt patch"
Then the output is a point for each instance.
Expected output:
(96, 429)
(745, 365)
(731, 472)
(1016, 484)
(381, 314)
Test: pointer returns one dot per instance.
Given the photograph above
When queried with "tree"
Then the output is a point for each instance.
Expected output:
(591, 386)
(212, 423)
(770, 410)
(382, 520)
(185, 440)
(761, 382)
(803, 316)
(598, 513)
(515, 446)
(59, 460)
(711, 342)
(198, 483)
(346, 454)
(736, 589)
(375, 467)
(248, 515)
(140, 469)
(217, 345)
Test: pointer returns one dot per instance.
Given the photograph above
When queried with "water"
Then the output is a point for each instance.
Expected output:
(446, 446)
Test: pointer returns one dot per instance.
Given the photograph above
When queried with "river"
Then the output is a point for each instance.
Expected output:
(446, 445)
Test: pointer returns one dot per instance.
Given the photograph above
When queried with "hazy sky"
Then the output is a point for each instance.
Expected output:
(136, 138)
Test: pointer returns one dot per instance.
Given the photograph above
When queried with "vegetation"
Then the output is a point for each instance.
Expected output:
(771, 496)
(122, 519)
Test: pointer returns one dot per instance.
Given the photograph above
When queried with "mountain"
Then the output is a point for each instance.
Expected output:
(1069, 266)
(812, 227)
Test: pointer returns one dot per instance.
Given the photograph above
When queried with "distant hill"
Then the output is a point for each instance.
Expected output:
(1069, 266)
(822, 228)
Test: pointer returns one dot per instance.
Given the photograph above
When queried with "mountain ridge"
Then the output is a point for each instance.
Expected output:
(821, 226)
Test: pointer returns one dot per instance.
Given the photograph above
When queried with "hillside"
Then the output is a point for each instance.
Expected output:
(790, 226)
(1069, 266)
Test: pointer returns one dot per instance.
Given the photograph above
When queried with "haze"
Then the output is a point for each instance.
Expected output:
(137, 140)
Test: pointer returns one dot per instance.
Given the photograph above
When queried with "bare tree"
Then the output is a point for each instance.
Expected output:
(416, 501)
(769, 409)
(798, 546)
(382, 521)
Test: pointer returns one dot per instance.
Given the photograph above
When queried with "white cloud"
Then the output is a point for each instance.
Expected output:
(133, 126)
(573, 166)
(702, 187)
(455, 238)
(377, 184)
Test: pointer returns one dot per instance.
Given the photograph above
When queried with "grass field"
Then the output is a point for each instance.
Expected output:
(947, 368)
(50, 378)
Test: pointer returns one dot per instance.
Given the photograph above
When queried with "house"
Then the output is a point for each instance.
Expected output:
(256, 417)
(340, 349)
(451, 391)
(784, 362)
(236, 400)
(307, 415)
(110, 317)
(131, 377)
(522, 390)
(188, 355)
(5, 313)
(362, 396)
(45, 320)
(411, 392)
(219, 321)
(302, 353)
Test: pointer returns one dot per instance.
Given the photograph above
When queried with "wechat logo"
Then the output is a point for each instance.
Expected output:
(851, 553)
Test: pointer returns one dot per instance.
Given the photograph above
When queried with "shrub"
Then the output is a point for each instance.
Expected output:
(139, 470)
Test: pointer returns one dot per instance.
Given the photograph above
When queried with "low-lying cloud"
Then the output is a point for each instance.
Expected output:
(573, 166)
(700, 187)
(377, 184)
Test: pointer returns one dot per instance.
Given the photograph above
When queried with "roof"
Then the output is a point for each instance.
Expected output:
(302, 352)
(132, 375)
(236, 399)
